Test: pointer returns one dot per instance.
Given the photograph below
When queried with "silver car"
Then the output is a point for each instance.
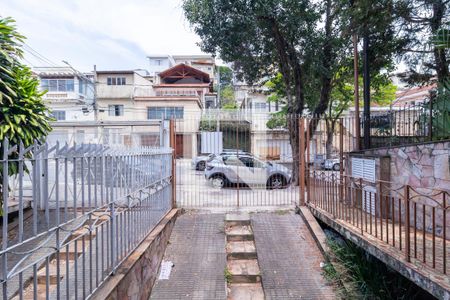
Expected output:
(332, 164)
(199, 163)
(232, 169)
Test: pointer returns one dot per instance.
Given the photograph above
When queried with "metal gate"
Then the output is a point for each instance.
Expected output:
(231, 159)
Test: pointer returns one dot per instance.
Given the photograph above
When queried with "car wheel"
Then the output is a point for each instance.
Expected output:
(201, 166)
(276, 182)
(336, 167)
(218, 181)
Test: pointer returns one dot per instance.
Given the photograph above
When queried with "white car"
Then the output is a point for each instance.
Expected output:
(222, 171)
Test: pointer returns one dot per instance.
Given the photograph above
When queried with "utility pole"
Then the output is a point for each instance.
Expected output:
(356, 84)
(366, 91)
(357, 123)
(218, 86)
(218, 99)
(94, 89)
(95, 94)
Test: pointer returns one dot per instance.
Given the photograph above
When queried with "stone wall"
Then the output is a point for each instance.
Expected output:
(136, 275)
(424, 167)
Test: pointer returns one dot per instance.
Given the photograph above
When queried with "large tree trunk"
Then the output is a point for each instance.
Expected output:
(330, 124)
(291, 70)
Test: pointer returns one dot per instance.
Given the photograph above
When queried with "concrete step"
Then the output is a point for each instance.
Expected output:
(52, 272)
(83, 231)
(239, 233)
(70, 252)
(98, 218)
(28, 293)
(245, 291)
(237, 219)
(241, 250)
(244, 271)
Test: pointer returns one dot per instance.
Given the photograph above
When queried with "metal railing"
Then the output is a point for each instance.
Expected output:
(414, 223)
(73, 212)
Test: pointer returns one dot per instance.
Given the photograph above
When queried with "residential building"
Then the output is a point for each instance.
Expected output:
(116, 92)
(269, 143)
(181, 92)
(70, 94)
(159, 63)
(205, 63)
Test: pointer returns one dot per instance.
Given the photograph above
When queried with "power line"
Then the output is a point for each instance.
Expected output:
(38, 55)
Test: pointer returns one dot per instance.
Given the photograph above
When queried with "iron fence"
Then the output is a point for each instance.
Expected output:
(227, 159)
(73, 212)
(151, 133)
(414, 223)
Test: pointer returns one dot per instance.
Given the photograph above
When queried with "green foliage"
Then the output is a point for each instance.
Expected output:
(424, 28)
(228, 276)
(442, 38)
(277, 120)
(441, 112)
(229, 106)
(368, 277)
(226, 75)
(227, 98)
(23, 115)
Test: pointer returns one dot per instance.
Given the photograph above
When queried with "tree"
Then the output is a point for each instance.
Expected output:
(227, 97)
(382, 93)
(263, 38)
(305, 41)
(24, 117)
(226, 75)
(420, 22)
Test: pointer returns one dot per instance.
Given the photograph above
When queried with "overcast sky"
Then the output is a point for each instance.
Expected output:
(113, 34)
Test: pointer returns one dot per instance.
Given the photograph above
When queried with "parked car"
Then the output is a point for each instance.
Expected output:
(234, 151)
(199, 163)
(317, 161)
(332, 164)
(222, 171)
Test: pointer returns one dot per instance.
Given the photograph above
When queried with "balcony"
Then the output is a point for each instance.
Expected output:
(64, 97)
(177, 93)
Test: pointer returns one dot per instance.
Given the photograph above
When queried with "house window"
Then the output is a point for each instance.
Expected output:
(59, 115)
(116, 110)
(166, 113)
(116, 81)
(57, 85)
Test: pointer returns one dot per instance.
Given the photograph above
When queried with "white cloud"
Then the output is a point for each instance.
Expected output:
(110, 33)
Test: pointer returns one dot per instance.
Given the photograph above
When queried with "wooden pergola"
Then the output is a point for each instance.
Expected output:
(181, 74)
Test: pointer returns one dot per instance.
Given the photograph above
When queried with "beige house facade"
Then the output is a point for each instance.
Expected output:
(180, 93)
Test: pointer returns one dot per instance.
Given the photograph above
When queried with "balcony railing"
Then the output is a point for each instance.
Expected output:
(176, 93)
